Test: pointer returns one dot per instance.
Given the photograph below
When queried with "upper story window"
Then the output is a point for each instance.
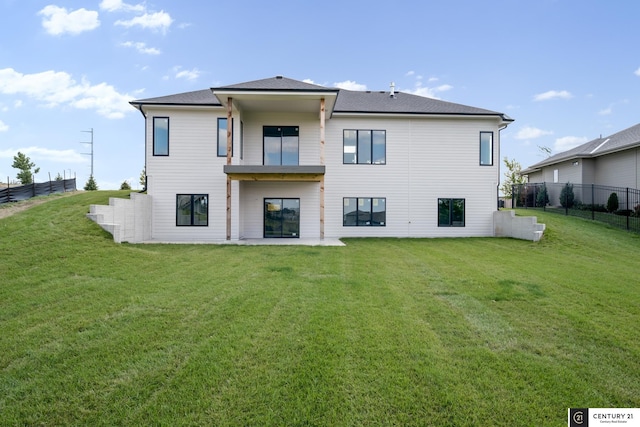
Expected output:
(365, 147)
(486, 148)
(222, 137)
(280, 145)
(161, 136)
(364, 211)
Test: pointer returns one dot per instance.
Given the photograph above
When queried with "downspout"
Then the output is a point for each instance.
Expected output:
(322, 160)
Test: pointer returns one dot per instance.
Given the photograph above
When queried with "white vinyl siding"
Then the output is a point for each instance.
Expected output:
(426, 159)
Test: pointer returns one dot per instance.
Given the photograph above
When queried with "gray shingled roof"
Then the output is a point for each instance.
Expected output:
(198, 97)
(625, 139)
(347, 101)
(383, 102)
(276, 83)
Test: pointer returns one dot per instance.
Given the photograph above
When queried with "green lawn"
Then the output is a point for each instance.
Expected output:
(477, 332)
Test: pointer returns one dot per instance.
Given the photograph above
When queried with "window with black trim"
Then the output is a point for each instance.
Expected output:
(450, 212)
(364, 147)
(486, 148)
(280, 145)
(222, 137)
(192, 209)
(161, 136)
(364, 212)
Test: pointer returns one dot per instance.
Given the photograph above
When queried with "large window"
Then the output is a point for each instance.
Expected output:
(222, 137)
(281, 145)
(486, 148)
(365, 147)
(450, 212)
(192, 210)
(364, 212)
(161, 136)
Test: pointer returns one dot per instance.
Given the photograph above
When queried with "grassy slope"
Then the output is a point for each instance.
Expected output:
(381, 332)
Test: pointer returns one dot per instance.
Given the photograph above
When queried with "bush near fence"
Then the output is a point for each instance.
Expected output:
(24, 192)
(582, 200)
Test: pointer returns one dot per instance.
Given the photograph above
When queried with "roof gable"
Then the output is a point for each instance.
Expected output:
(276, 83)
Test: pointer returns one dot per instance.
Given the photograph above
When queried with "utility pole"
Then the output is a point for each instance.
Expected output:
(90, 143)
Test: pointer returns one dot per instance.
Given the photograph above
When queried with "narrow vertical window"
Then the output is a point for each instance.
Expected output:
(222, 137)
(161, 136)
(350, 139)
(486, 148)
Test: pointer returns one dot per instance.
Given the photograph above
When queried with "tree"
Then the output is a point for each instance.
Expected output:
(125, 185)
(143, 177)
(25, 165)
(612, 203)
(59, 177)
(91, 184)
(542, 199)
(511, 176)
(567, 197)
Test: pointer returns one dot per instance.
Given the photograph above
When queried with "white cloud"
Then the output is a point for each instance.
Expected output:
(350, 85)
(188, 74)
(529, 132)
(55, 88)
(142, 48)
(155, 21)
(568, 142)
(410, 73)
(637, 72)
(3, 127)
(552, 94)
(57, 20)
(35, 153)
(119, 5)
(606, 111)
(429, 92)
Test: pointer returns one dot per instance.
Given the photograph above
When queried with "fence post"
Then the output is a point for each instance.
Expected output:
(593, 202)
(627, 210)
(8, 190)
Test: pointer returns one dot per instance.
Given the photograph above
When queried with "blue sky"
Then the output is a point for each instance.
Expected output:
(567, 71)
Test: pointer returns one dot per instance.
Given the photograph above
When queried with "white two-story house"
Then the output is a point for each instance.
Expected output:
(281, 158)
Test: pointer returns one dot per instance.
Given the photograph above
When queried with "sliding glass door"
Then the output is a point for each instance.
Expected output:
(281, 218)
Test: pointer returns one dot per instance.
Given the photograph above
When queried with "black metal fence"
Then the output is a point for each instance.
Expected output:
(24, 192)
(618, 206)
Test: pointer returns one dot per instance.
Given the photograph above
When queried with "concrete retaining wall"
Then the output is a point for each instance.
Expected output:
(128, 220)
(507, 224)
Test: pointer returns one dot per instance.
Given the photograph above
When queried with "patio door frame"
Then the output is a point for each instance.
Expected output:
(284, 220)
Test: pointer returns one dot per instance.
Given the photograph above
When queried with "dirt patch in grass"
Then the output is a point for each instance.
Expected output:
(8, 209)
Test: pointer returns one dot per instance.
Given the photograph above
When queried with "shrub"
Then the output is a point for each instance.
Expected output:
(125, 186)
(542, 198)
(567, 198)
(612, 203)
(636, 211)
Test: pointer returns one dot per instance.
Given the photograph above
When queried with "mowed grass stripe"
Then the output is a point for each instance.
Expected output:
(380, 332)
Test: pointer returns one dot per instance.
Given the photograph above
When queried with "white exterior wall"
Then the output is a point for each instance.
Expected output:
(192, 167)
(252, 195)
(426, 159)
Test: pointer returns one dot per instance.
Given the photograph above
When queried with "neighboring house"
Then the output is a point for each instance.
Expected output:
(280, 158)
(612, 161)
